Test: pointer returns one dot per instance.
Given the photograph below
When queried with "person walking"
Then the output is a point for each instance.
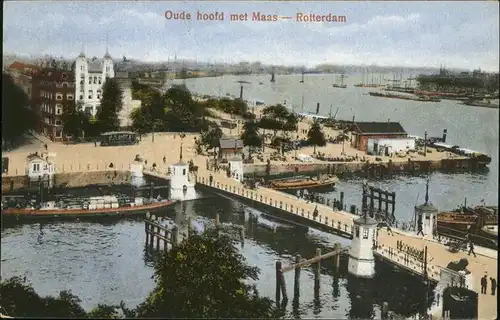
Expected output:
(493, 285)
(471, 249)
(420, 231)
(484, 284)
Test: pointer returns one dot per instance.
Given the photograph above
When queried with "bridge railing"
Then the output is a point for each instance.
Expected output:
(408, 261)
(279, 200)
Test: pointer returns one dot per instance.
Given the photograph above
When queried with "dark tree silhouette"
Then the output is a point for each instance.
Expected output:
(315, 136)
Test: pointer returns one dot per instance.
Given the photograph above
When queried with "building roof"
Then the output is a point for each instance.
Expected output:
(35, 156)
(365, 220)
(379, 127)
(426, 207)
(56, 75)
(95, 65)
(230, 143)
(24, 67)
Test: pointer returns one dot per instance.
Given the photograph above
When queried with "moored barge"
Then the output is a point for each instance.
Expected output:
(302, 182)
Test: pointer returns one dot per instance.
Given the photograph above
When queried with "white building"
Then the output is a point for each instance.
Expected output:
(361, 258)
(40, 169)
(389, 146)
(236, 168)
(181, 184)
(426, 217)
(90, 75)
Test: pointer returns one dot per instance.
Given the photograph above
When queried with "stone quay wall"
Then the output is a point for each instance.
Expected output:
(71, 179)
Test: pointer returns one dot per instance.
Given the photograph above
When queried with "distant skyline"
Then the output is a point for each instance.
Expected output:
(462, 35)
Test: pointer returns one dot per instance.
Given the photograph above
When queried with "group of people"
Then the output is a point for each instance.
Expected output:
(414, 252)
(484, 285)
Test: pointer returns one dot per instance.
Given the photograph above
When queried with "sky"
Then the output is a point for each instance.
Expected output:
(415, 34)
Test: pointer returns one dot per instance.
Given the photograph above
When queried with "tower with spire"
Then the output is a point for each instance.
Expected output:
(426, 215)
(181, 185)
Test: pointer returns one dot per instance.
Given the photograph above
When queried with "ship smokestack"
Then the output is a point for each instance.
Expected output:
(445, 131)
(317, 108)
(241, 93)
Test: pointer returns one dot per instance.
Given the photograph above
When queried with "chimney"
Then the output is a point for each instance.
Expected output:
(353, 117)
(241, 92)
(445, 131)
(317, 108)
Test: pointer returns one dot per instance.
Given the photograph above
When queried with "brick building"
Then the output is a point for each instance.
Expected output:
(53, 93)
(364, 131)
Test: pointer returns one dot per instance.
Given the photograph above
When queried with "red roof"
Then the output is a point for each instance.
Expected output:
(24, 67)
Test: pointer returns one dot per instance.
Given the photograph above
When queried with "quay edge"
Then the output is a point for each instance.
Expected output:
(372, 169)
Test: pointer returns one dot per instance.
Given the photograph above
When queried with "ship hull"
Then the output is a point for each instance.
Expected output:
(17, 214)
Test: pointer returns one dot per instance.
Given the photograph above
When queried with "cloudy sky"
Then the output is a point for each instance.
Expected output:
(455, 34)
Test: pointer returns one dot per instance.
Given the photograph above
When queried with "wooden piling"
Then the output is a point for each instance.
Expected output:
(158, 238)
(385, 310)
(317, 271)
(336, 258)
(174, 236)
(278, 281)
(217, 220)
(296, 282)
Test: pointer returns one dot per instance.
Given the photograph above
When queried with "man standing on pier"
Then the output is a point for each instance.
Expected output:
(471, 248)
(493, 286)
(484, 284)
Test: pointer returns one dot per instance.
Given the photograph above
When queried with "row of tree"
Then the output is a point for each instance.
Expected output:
(203, 277)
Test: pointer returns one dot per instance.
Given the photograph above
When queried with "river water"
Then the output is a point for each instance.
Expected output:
(105, 261)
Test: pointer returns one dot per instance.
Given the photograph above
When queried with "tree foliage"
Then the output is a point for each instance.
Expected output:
(110, 106)
(250, 135)
(203, 278)
(210, 139)
(75, 121)
(173, 111)
(315, 135)
(17, 117)
(231, 106)
(277, 117)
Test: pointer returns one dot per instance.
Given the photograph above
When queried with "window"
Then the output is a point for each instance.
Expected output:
(82, 68)
(81, 97)
(59, 109)
(64, 76)
(99, 80)
(365, 233)
(65, 84)
(69, 96)
(59, 96)
(36, 167)
(90, 94)
(58, 133)
(90, 80)
(58, 85)
(95, 80)
(357, 231)
(98, 94)
(58, 122)
(183, 172)
(81, 82)
(107, 68)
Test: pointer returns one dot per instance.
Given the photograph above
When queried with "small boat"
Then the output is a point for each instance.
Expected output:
(53, 212)
(480, 223)
(302, 182)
